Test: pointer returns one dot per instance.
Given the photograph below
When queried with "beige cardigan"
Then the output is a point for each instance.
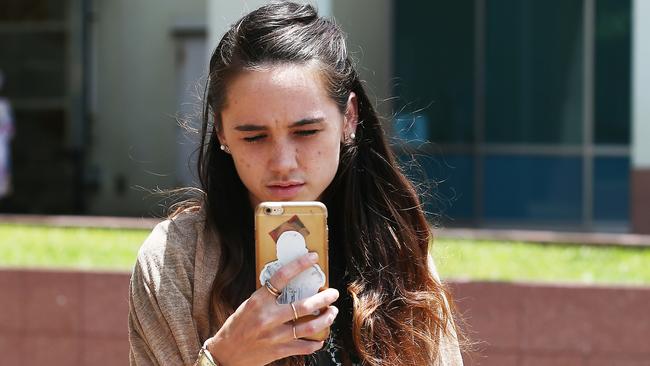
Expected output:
(170, 296)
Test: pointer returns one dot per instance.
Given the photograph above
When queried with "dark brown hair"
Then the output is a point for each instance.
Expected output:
(393, 310)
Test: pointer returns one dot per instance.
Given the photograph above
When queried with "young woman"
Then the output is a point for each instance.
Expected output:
(286, 118)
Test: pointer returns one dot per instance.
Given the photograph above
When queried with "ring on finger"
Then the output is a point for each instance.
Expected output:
(293, 328)
(271, 289)
(295, 313)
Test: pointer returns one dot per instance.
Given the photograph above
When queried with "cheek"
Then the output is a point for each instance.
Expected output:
(245, 169)
(324, 163)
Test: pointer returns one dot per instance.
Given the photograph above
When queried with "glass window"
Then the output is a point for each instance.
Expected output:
(434, 66)
(534, 71)
(612, 188)
(533, 189)
(446, 183)
(32, 10)
(33, 64)
(40, 136)
(612, 68)
(38, 161)
(534, 66)
(453, 196)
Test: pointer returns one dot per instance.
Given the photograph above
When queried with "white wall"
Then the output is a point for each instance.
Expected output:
(134, 129)
(369, 26)
(191, 73)
(221, 14)
(641, 85)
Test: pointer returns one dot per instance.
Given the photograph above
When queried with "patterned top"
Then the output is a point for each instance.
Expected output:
(331, 353)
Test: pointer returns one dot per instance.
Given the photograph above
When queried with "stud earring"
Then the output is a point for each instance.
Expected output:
(225, 148)
(352, 136)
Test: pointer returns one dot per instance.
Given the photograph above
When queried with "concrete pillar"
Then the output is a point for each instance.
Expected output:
(369, 26)
(640, 178)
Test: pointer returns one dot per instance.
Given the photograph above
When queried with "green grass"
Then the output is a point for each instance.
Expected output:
(81, 248)
(105, 249)
(516, 261)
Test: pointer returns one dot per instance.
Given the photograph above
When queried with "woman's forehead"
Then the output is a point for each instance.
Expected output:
(287, 93)
(271, 80)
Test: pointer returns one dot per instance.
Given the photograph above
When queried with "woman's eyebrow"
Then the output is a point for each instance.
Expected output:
(252, 127)
(307, 121)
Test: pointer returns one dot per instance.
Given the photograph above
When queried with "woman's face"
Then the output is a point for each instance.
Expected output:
(284, 132)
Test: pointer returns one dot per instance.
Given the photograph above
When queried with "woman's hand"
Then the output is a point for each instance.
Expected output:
(261, 331)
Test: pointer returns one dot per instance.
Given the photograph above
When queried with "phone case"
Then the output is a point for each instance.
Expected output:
(285, 231)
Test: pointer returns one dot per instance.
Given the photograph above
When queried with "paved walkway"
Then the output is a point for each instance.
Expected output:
(535, 236)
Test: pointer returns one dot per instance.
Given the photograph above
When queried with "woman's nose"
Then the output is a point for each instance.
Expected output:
(284, 158)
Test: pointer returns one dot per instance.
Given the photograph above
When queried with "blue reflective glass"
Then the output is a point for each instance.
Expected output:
(447, 183)
(411, 130)
(434, 66)
(533, 71)
(525, 188)
(612, 189)
(612, 72)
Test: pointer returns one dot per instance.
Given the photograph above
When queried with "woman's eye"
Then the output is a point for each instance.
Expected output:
(307, 132)
(254, 138)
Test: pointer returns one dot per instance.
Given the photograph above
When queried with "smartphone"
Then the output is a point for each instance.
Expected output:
(285, 231)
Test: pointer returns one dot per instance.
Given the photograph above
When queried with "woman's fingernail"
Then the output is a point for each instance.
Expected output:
(313, 256)
(335, 310)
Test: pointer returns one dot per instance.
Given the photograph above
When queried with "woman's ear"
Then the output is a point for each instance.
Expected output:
(351, 118)
(221, 137)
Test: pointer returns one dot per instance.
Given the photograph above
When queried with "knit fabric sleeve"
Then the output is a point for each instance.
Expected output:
(162, 330)
(449, 350)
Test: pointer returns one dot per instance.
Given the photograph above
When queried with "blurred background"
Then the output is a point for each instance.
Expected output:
(528, 121)
(531, 109)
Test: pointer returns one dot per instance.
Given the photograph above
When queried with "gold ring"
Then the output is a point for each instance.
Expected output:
(293, 327)
(295, 313)
(272, 290)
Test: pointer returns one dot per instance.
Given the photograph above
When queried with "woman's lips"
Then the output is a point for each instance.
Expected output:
(285, 191)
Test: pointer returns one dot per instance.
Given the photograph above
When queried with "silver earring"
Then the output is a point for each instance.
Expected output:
(352, 136)
(225, 148)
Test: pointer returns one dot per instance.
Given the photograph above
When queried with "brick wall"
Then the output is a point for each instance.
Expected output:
(79, 318)
(63, 318)
(528, 324)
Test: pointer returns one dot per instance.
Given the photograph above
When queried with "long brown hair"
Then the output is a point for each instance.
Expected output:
(393, 310)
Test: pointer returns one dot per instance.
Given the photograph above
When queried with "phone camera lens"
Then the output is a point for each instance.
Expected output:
(267, 210)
